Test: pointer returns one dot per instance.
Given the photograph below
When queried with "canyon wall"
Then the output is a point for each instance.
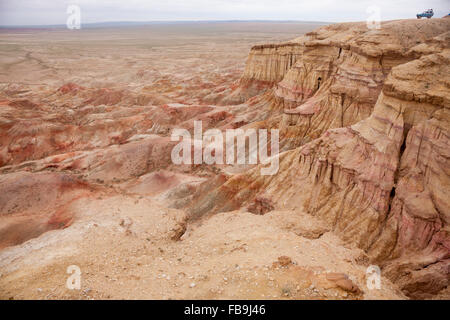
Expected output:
(376, 169)
(266, 66)
(337, 77)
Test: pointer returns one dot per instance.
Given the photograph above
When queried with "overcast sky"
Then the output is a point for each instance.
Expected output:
(42, 12)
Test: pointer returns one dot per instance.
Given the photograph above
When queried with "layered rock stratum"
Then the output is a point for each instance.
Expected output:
(87, 178)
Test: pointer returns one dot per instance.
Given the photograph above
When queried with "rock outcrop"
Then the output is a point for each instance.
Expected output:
(381, 182)
(266, 66)
(336, 77)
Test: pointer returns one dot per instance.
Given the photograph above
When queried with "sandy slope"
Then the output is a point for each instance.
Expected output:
(126, 248)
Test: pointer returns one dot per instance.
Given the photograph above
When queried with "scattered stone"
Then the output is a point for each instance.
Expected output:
(87, 291)
(284, 261)
(179, 230)
(261, 206)
(342, 281)
(286, 292)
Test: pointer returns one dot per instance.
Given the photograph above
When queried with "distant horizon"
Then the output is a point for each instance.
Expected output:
(154, 22)
(149, 22)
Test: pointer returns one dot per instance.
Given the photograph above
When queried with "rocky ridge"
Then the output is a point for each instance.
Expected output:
(380, 181)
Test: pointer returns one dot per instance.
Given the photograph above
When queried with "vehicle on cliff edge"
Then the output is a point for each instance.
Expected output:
(426, 14)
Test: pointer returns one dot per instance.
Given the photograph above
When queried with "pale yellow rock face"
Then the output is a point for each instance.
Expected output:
(377, 170)
(266, 66)
(338, 75)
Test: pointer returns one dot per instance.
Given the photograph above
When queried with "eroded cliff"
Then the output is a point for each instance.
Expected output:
(337, 75)
(375, 106)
